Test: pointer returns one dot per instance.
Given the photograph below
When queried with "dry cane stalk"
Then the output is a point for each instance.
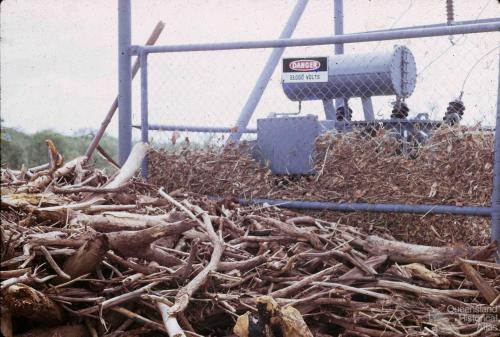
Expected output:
(185, 293)
(303, 261)
(127, 171)
(171, 324)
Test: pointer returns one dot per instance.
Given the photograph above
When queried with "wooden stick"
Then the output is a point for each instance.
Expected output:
(289, 229)
(421, 290)
(349, 324)
(118, 221)
(186, 270)
(14, 280)
(107, 156)
(185, 293)
(138, 318)
(181, 317)
(355, 290)
(139, 268)
(127, 171)
(171, 324)
(122, 328)
(489, 293)
(405, 252)
(5, 274)
(180, 206)
(123, 241)
(87, 257)
(373, 262)
(54, 264)
(131, 166)
(285, 292)
(118, 299)
(90, 189)
(244, 265)
(114, 106)
(480, 264)
(42, 181)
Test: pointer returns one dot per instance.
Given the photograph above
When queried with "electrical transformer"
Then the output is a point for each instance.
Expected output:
(351, 75)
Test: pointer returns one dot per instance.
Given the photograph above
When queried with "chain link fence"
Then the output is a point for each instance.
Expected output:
(209, 88)
(412, 90)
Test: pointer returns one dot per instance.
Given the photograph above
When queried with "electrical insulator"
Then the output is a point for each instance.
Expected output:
(450, 12)
(400, 110)
(343, 114)
(454, 112)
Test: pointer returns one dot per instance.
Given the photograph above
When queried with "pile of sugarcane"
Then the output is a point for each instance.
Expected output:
(454, 167)
(86, 253)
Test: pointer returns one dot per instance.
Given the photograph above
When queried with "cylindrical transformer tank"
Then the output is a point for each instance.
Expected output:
(361, 75)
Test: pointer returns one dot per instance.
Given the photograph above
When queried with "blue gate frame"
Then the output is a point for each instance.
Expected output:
(126, 51)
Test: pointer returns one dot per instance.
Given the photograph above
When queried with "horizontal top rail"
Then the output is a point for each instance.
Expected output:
(346, 38)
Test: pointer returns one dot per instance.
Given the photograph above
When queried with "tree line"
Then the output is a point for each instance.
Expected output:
(18, 148)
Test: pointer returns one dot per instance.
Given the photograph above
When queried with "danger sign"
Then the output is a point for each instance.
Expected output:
(307, 69)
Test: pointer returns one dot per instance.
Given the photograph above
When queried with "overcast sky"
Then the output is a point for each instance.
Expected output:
(59, 58)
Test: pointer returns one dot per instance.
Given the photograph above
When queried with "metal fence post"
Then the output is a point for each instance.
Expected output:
(124, 81)
(261, 84)
(368, 108)
(329, 108)
(338, 10)
(143, 60)
(495, 198)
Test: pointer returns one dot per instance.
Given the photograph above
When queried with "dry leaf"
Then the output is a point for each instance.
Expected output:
(433, 191)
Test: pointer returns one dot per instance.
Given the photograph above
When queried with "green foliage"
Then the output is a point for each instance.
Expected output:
(19, 148)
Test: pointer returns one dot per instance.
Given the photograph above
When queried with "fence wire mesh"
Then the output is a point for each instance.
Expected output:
(210, 88)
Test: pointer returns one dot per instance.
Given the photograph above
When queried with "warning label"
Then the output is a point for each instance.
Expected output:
(310, 69)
